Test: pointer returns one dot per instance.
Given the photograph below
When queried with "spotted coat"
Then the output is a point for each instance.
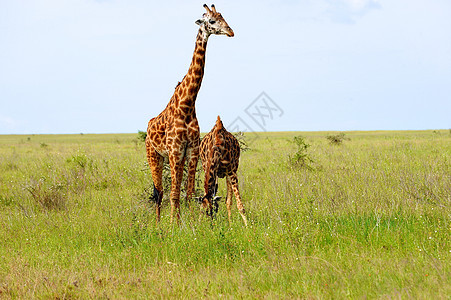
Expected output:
(220, 154)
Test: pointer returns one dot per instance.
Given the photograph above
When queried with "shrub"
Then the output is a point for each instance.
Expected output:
(48, 196)
(301, 157)
(242, 141)
(80, 160)
(337, 139)
(142, 135)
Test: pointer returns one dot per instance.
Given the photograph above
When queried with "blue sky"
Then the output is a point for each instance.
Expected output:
(109, 66)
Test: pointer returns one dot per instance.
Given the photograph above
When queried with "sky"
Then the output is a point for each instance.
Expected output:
(86, 66)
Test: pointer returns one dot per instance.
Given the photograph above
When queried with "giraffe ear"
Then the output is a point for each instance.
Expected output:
(199, 22)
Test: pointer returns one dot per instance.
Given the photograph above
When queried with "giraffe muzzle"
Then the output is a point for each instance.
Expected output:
(230, 33)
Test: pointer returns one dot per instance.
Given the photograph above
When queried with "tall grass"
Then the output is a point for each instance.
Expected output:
(370, 218)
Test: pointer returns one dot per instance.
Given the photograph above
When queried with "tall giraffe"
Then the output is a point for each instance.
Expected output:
(174, 133)
(220, 154)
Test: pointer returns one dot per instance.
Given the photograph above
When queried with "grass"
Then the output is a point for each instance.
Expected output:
(369, 218)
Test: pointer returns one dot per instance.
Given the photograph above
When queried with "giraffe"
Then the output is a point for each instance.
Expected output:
(220, 154)
(174, 133)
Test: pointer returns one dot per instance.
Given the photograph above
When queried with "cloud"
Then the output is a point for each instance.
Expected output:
(347, 11)
(360, 5)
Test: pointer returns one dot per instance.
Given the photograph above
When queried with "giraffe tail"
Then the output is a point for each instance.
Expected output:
(156, 197)
(218, 127)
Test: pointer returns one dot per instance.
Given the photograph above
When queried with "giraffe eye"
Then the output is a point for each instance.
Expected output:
(212, 21)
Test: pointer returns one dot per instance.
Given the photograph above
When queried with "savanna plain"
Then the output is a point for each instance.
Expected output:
(364, 215)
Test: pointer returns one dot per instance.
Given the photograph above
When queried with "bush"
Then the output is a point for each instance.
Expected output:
(80, 160)
(47, 195)
(301, 157)
(337, 139)
(142, 135)
(242, 141)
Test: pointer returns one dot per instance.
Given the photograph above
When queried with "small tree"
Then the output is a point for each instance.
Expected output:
(242, 141)
(301, 157)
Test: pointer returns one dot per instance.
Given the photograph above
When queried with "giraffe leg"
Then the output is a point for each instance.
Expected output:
(239, 204)
(193, 157)
(229, 199)
(176, 162)
(156, 167)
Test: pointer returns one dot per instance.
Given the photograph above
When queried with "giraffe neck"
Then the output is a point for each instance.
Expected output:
(211, 171)
(192, 81)
(213, 160)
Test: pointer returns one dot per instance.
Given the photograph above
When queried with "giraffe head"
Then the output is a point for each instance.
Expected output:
(209, 204)
(212, 22)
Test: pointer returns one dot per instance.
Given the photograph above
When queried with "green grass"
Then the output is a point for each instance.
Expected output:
(367, 218)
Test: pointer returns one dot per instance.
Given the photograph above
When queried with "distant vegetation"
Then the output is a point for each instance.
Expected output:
(337, 139)
(368, 220)
(142, 135)
(240, 136)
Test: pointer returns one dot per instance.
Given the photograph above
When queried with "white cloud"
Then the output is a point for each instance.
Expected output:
(360, 5)
(347, 11)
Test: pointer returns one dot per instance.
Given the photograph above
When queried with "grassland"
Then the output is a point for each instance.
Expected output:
(367, 218)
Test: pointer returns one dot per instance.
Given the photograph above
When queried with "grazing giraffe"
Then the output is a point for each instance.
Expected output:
(220, 154)
(174, 133)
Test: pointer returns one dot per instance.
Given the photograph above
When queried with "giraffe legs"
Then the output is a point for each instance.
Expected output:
(156, 166)
(176, 163)
(232, 184)
(193, 157)
(229, 199)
